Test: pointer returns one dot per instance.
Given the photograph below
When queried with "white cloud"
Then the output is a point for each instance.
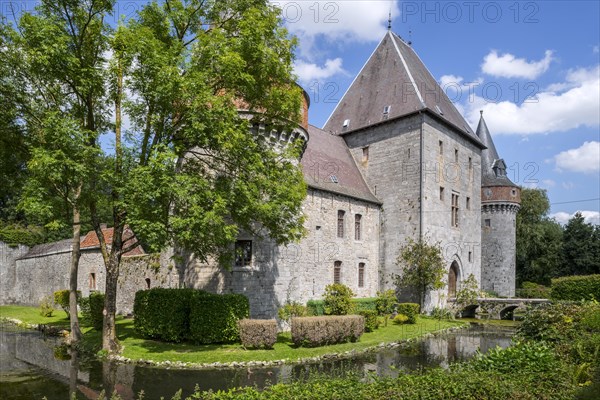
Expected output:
(567, 185)
(548, 183)
(585, 158)
(341, 21)
(309, 71)
(569, 105)
(591, 217)
(508, 66)
(455, 88)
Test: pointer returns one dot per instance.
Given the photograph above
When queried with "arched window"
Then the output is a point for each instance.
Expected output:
(340, 223)
(337, 272)
(452, 279)
(357, 226)
(361, 274)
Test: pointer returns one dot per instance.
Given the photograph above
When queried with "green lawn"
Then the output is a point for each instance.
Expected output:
(137, 348)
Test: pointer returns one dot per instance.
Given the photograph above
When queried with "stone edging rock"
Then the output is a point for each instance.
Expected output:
(45, 329)
(263, 364)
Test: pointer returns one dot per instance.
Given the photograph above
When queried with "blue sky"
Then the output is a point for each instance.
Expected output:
(533, 67)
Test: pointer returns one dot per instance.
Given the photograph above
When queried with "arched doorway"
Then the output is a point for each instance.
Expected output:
(452, 279)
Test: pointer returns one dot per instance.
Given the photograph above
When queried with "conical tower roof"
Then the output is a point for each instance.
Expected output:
(493, 168)
(393, 83)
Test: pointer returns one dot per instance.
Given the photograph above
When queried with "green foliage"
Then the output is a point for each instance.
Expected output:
(15, 234)
(92, 309)
(46, 307)
(581, 247)
(525, 357)
(317, 307)
(539, 239)
(386, 302)
(531, 290)
(337, 299)
(576, 288)
(371, 320)
(163, 314)
(423, 267)
(468, 293)
(442, 313)
(330, 329)
(214, 318)
(411, 310)
(290, 310)
(256, 333)
(61, 297)
(400, 319)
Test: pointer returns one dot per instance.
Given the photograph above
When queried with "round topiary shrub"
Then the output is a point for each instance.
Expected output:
(338, 299)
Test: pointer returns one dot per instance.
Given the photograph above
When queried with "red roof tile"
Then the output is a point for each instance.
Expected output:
(90, 240)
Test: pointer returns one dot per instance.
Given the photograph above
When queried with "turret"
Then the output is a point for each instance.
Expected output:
(500, 202)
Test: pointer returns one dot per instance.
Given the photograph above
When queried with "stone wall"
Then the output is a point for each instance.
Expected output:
(300, 272)
(8, 272)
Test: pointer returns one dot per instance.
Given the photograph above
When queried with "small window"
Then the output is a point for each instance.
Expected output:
(470, 256)
(470, 165)
(456, 156)
(488, 223)
(147, 283)
(468, 203)
(441, 146)
(361, 274)
(92, 282)
(345, 125)
(454, 209)
(243, 253)
(340, 223)
(408, 153)
(442, 193)
(333, 178)
(357, 226)
(387, 109)
(365, 154)
(337, 272)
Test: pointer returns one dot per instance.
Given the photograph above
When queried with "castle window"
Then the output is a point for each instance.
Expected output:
(92, 282)
(340, 223)
(361, 274)
(441, 146)
(488, 223)
(408, 153)
(470, 166)
(345, 125)
(442, 193)
(365, 154)
(454, 222)
(243, 253)
(147, 283)
(468, 203)
(337, 272)
(456, 156)
(357, 226)
(470, 256)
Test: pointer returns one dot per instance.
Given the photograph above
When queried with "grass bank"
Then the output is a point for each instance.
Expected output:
(137, 348)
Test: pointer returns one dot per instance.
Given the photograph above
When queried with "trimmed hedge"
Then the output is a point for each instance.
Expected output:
(331, 329)
(317, 307)
(174, 315)
(258, 332)
(92, 309)
(411, 310)
(214, 318)
(371, 320)
(163, 314)
(584, 287)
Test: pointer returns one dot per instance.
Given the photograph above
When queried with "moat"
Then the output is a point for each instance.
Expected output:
(32, 366)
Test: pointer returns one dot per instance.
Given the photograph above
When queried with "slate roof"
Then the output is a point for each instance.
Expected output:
(328, 165)
(394, 76)
(490, 158)
(62, 246)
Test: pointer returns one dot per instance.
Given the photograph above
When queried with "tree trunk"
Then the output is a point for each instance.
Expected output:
(110, 341)
(75, 255)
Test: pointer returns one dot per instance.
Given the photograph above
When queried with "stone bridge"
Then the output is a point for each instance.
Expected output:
(498, 308)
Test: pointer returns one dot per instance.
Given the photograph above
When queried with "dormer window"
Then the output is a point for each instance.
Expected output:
(345, 125)
(499, 168)
(386, 112)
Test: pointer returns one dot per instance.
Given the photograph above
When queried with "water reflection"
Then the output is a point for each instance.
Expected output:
(31, 366)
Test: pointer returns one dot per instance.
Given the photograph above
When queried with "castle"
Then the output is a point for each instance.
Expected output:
(395, 160)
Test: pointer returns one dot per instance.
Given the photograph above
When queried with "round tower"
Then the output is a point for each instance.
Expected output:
(500, 202)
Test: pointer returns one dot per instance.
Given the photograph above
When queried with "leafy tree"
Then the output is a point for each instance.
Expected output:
(423, 267)
(538, 238)
(580, 247)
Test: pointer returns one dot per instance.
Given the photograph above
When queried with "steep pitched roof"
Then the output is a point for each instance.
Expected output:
(493, 168)
(44, 249)
(328, 165)
(90, 240)
(393, 76)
